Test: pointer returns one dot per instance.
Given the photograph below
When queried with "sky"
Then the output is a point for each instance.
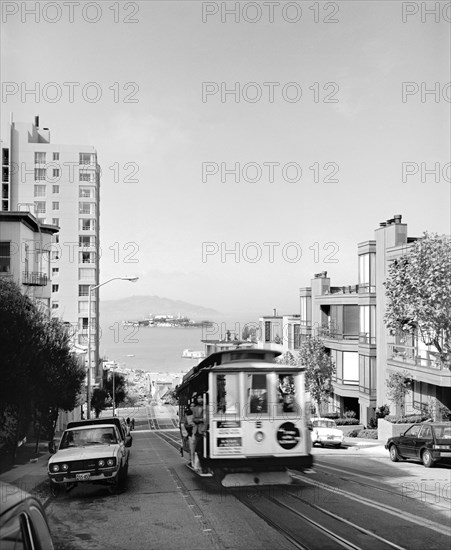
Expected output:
(333, 128)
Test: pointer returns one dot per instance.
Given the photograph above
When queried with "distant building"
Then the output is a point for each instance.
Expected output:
(59, 185)
(350, 321)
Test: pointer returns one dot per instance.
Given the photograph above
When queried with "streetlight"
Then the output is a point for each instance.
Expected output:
(91, 288)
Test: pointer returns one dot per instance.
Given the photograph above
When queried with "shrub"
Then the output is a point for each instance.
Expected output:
(407, 419)
(353, 433)
(332, 415)
(346, 421)
(368, 434)
(349, 414)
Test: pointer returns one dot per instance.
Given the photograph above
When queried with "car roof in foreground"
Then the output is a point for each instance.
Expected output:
(12, 496)
(91, 426)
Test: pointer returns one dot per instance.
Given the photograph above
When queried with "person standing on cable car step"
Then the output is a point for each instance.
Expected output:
(198, 431)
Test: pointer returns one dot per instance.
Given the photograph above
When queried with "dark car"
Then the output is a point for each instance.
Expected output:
(23, 523)
(428, 442)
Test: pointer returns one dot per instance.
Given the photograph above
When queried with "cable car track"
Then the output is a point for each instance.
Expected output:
(297, 525)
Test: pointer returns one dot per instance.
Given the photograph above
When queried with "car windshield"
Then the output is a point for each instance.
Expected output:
(324, 423)
(88, 436)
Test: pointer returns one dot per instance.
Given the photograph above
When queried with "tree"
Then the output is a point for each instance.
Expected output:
(98, 400)
(319, 370)
(287, 358)
(38, 372)
(120, 387)
(399, 384)
(418, 289)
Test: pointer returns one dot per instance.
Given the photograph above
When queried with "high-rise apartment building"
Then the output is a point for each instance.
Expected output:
(59, 185)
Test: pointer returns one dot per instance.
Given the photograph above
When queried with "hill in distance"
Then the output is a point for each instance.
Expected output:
(136, 308)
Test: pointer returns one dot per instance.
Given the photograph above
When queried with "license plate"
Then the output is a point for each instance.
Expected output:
(82, 477)
(445, 455)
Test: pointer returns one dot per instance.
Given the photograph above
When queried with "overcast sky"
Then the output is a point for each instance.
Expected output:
(170, 133)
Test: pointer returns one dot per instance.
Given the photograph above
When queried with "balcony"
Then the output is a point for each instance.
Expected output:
(411, 356)
(335, 335)
(350, 289)
(34, 278)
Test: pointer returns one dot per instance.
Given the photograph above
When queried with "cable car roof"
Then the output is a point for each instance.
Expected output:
(225, 359)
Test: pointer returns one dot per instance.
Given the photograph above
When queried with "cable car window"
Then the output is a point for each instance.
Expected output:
(286, 393)
(258, 393)
(227, 393)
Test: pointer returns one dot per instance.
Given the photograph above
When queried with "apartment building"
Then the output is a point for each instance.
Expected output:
(59, 185)
(350, 321)
(25, 255)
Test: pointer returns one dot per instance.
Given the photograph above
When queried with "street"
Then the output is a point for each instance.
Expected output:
(355, 498)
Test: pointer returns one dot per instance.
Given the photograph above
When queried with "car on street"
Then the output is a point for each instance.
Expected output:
(324, 431)
(93, 453)
(428, 442)
(23, 523)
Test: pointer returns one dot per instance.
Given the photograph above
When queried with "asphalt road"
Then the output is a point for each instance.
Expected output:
(355, 498)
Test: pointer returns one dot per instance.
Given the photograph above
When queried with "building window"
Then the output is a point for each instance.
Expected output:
(87, 274)
(83, 290)
(267, 331)
(84, 323)
(56, 172)
(39, 174)
(39, 190)
(86, 208)
(85, 176)
(55, 221)
(55, 288)
(57, 239)
(305, 314)
(86, 158)
(5, 257)
(87, 257)
(55, 305)
(56, 156)
(297, 337)
(87, 224)
(367, 324)
(86, 240)
(83, 308)
(55, 271)
(55, 189)
(39, 158)
(350, 367)
(39, 207)
(55, 255)
(367, 272)
(86, 193)
(55, 205)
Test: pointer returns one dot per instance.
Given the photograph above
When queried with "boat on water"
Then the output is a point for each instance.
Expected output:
(191, 354)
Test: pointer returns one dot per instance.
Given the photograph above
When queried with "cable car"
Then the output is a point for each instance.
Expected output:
(254, 415)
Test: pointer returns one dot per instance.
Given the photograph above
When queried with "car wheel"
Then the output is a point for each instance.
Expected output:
(427, 459)
(394, 456)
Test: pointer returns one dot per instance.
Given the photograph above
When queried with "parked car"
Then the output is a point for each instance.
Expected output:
(325, 432)
(118, 421)
(428, 442)
(93, 453)
(23, 523)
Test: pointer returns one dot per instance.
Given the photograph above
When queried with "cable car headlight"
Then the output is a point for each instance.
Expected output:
(259, 437)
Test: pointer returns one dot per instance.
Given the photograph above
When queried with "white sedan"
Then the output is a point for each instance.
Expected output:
(325, 432)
